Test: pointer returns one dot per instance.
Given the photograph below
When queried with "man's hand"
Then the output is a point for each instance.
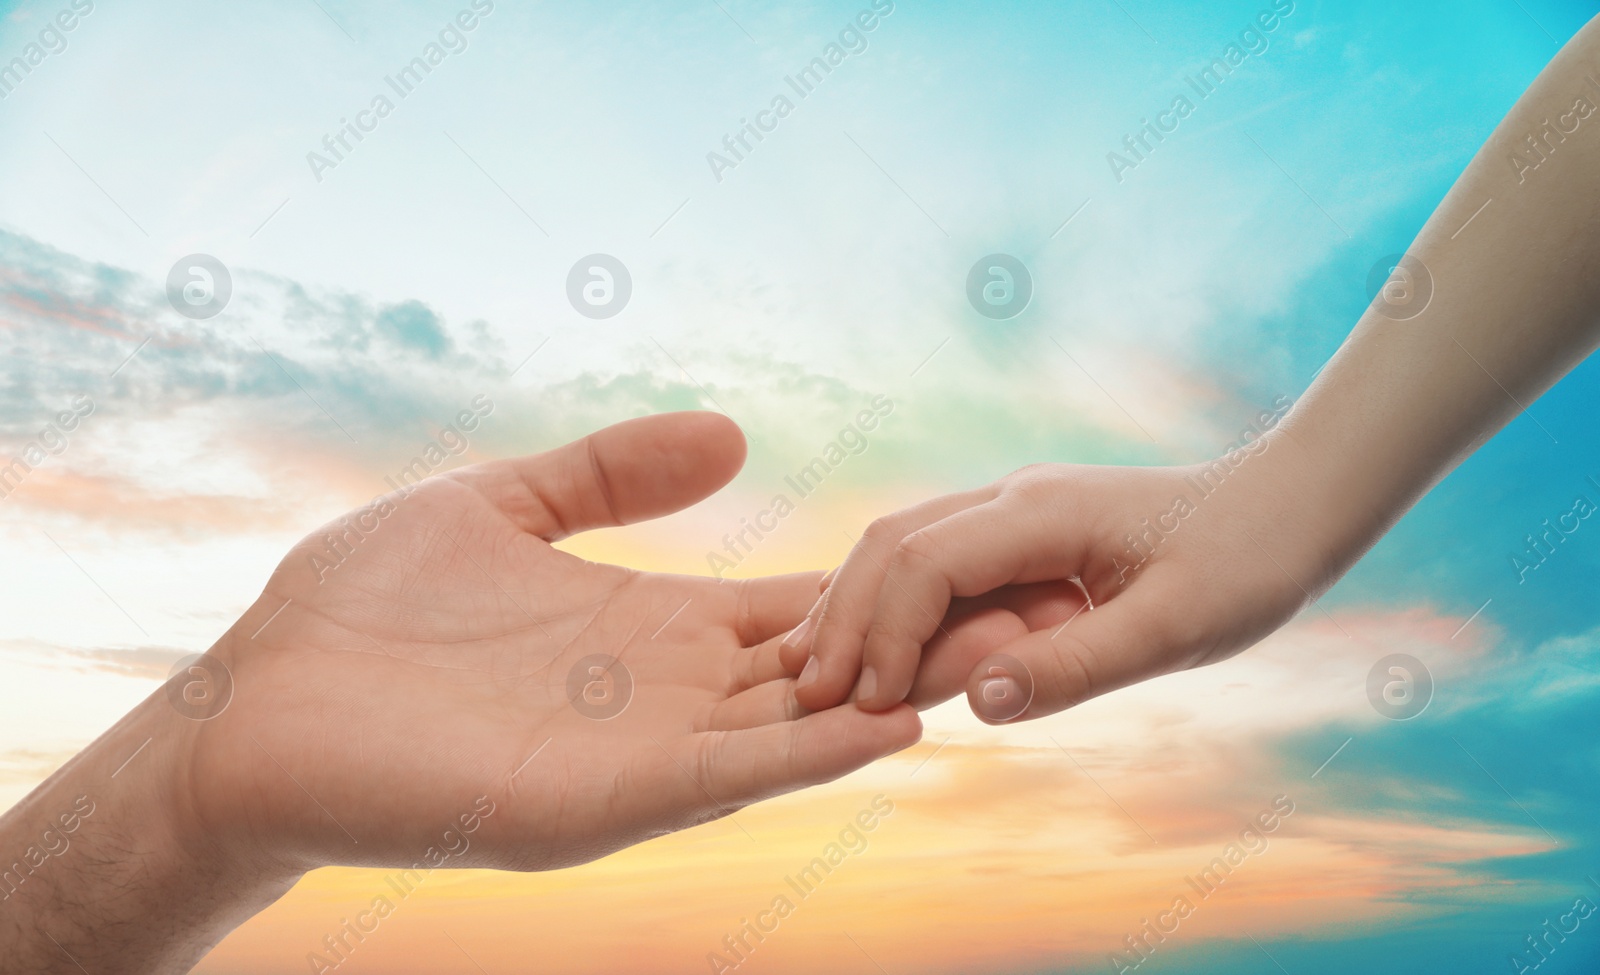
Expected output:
(433, 663)
(443, 652)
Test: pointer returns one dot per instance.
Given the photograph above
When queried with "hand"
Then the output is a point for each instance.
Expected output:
(1423, 380)
(427, 683)
(424, 669)
(1087, 578)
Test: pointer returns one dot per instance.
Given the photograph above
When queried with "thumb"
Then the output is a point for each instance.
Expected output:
(630, 471)
(1120, 642)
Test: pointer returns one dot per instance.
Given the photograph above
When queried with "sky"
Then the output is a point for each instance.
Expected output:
(377, 293)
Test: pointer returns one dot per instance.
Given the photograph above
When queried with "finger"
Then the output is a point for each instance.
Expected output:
(845, 611)
(773, 605)
(754, 666)
(795, 650)
(1129, 638)
(967, 554)
(746, 766)
(1015, 608)
(762, 704)
(950, 656)
(631, 471)
(1041, 604)
(979, 626)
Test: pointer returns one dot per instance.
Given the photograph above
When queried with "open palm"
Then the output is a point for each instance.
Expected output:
(435, 664)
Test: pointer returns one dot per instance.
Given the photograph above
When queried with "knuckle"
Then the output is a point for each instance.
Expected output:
(745, 671)
(883, 632)
(1043, 493)
(793, 710)
(1026, 487)
(883, 531)
(836, 620)
(743, 612)
(1072, 679)
(917, 552)
(1032, 474)
(1032, 470)
(706, 763)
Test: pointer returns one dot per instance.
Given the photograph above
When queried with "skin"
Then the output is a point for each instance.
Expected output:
(1515, 289)
(388, 705)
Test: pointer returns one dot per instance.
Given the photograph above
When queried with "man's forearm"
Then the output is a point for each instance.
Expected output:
(1512, 259)
(103, 869)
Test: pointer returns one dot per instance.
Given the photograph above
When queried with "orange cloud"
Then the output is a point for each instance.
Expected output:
(102, 498)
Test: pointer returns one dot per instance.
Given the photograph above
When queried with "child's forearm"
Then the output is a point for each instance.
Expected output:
(1512, 259)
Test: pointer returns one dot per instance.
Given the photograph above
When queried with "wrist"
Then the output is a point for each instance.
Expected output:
(112, 840)
(1345, 490)
(1291, 502)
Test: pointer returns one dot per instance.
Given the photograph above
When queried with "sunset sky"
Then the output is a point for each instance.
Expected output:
(375, 298)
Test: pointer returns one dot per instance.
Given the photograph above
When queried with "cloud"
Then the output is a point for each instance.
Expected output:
(294, 390)
(413, 324)
(152, 663)
(27, 766)
(143, 663)
(1560, 667)
(134, 506)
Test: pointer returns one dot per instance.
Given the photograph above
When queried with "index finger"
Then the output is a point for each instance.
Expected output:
(770, 606)
(843, 615)
(1020, 537)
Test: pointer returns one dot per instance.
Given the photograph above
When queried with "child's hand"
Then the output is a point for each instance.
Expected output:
(1175, 578)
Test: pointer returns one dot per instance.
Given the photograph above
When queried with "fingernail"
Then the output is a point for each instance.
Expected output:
(868, 685)
(997, 696)
(808, 676)
(1005, 690)
(798, 634)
